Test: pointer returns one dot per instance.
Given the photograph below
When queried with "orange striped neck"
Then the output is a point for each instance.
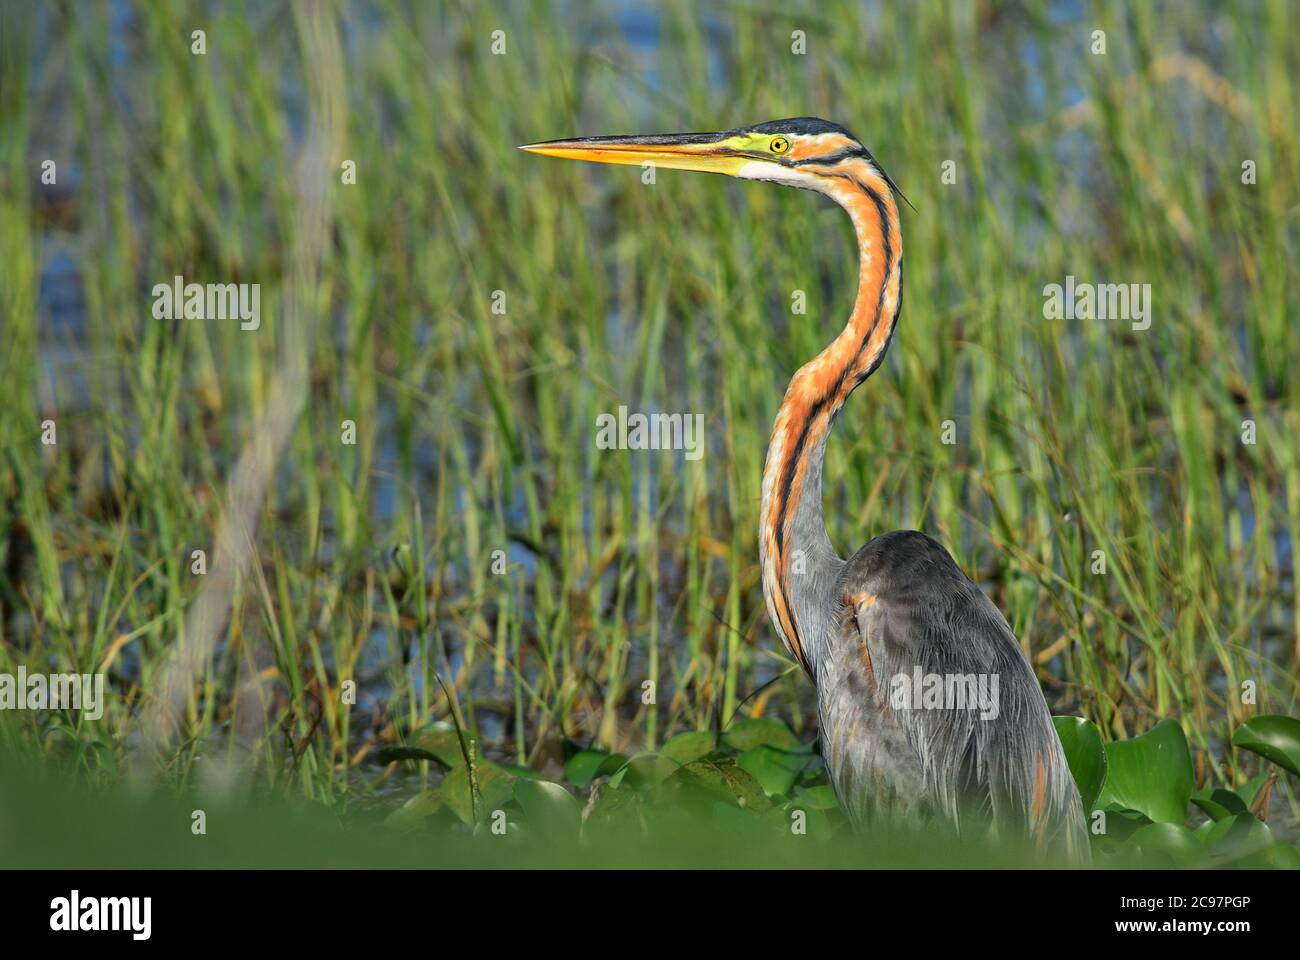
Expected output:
(797, 558)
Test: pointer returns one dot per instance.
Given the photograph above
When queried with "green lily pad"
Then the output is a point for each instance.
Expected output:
(1121, 822)
(1273, 737)
(551, 810)
(683, 749)
(411, 815)
(775, 770)
(1236, 837)
(712, 780)
(754, 732)
(494, 785)
(686, 747)
(1171, 839)
(821, 797)
(616, 814)
(586, 765)
(439, 738)
(1219, 803)
(637, 771)
(1151, 774)
(1085, 755)
(515, 770)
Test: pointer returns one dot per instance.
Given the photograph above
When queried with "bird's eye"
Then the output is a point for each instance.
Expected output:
(779, 145)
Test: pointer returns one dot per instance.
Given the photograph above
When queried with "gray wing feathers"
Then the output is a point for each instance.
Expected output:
(996, 759)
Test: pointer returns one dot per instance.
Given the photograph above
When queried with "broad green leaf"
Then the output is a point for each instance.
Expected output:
(718, 780)
(637, 771)
(515, 770)
(1151, 773)
(615, 815)
(816, 798)
(1121, 822)
(1085, 755)
(681, 750)
(426, 803)
(550, 809)
(494, 786)
(1169, 838)
(1235, 837)
(411, 814)
(775, 770)
(439, 738)
(1219, 803)
(586, 765)
(686, 747)
(1273, 737)
(759, 731)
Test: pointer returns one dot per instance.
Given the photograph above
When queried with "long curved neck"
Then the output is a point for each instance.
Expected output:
(800, 566)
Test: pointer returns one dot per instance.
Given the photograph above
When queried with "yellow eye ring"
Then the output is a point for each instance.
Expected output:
(779, 144)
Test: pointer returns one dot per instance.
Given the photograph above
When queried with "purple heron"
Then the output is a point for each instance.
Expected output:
(902, 647)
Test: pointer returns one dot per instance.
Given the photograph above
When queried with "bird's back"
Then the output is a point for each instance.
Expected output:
(928, 706)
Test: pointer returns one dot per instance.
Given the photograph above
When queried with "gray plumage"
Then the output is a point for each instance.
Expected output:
(910, 611)
(899, 604)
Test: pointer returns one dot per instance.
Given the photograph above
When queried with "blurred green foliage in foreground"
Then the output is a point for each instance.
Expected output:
(753, 797)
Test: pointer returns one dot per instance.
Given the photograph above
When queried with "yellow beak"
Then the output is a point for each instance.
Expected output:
(703, 152)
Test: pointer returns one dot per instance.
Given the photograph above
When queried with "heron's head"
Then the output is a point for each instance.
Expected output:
(801, 152)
